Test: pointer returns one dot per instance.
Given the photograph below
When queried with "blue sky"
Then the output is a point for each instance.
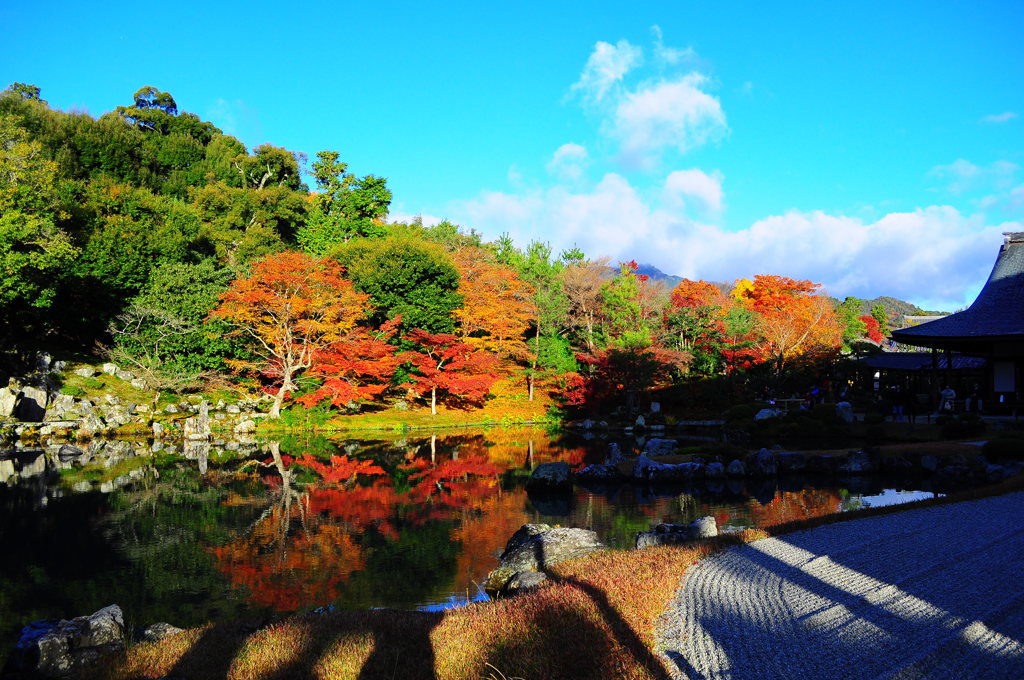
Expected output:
(872, 147)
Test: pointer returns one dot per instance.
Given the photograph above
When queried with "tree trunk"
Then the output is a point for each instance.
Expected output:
(433, 401)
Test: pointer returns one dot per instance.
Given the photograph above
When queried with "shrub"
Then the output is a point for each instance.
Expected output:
(72, 390)
(1003, 449)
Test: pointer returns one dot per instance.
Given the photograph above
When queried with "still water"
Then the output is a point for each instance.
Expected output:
(253, 531)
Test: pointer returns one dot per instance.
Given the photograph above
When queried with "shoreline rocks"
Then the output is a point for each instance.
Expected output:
(531, 550)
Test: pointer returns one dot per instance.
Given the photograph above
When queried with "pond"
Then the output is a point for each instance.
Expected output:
(252, 531)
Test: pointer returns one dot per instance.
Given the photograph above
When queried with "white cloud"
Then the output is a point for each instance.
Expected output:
(997, 118)
(406, 218)
(694, 184)
(568, 162)
(674, 114)
(606, 67)
(670, 56)
(934, 256)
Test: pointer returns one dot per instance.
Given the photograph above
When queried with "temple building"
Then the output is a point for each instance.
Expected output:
(992, 328)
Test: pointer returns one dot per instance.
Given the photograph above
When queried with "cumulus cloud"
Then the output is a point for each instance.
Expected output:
(568, 162)
(675, 114)
(997, 118)
(935, 256)
(665, 108)
(606, 67)
(681, 185)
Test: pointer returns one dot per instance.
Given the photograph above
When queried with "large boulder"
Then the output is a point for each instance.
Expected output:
(550, 477)
(603, 473)
(762, 464)
(844, 411)
(9, 396)
(32, 405)
(674, 534)
(60, 649)
(535, 548)
(790, 462)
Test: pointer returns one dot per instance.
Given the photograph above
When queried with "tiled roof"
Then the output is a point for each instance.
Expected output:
(997, 313)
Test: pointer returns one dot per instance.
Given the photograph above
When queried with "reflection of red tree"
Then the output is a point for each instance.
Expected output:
(286, 573)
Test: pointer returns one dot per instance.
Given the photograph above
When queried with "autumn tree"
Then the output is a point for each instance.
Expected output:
(447, 367)
(582, 280)
(497, 306)
(695, 322)
(291, 306)
(356, 368)
(792, 319)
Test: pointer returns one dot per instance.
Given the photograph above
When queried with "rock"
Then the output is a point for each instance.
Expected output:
(536, 547)
(660, 447)
(138, 383)
(997, 473)
(714, 470)
(158, 430)
(647, 469)
(87, 372)
(525, 581)
(232, 408)
(92, 423)
(60, 649)
(587, 424)
(896, 464)
(125, 376)
(857, 462)
(640, 422)
(766, 413)
(31, 406)
(930, 463)
(158, 631)
(736, 469)
(69, 452)
(614, 454)
(599, 473)
(673, 534)
(171, 408)
(790, 462)
(844, 411)
(246, 426)
(762, 464)
(109, 369)
(197, 428)
(550, 476)
(8, 401)
(655, 407)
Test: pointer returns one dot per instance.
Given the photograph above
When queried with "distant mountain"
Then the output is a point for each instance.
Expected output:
(655, 274)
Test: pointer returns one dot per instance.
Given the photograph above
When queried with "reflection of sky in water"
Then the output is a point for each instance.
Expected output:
(890, 497)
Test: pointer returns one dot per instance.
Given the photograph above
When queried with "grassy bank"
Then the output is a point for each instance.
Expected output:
(596, 621)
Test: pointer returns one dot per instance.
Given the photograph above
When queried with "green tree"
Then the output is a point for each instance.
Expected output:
(404, 276)
(880, 315)
(345, 206)
(166, 334)
(848, 313)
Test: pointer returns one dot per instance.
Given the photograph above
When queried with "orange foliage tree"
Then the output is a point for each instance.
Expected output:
(292, 306)
(497, 307)
(447, 365)
(794, 320)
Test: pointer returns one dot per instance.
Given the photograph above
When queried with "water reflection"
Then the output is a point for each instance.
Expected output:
(251, 530)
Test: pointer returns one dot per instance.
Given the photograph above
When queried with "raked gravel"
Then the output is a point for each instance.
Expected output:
(929, 593)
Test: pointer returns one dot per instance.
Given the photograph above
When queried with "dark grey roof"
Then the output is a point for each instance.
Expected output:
(919, 361)
(996, 315)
